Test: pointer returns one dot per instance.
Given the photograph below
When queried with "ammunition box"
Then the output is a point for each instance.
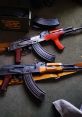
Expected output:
(15, 19)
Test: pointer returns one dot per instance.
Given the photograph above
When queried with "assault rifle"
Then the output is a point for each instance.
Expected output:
(34, 42)
(39, 71)
(53, 35)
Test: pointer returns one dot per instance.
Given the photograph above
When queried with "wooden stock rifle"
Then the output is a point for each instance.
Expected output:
(39, 71)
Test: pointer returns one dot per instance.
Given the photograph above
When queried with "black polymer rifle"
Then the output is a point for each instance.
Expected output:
(41, 71)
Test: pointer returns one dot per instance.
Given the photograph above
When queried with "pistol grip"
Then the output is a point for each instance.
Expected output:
(18, 56)
(5, 83)
(58, 44)
(32, 87)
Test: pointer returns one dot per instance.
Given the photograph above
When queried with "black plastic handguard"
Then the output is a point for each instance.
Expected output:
(33, 88)
(44, 23)
(42, 52)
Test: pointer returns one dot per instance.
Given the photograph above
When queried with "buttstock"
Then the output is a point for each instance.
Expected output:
(3, 47)
(2, 50)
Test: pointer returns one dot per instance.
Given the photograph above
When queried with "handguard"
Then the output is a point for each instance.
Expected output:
(54, 36)
(44, 23)
(42, 52)
(33, 88)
